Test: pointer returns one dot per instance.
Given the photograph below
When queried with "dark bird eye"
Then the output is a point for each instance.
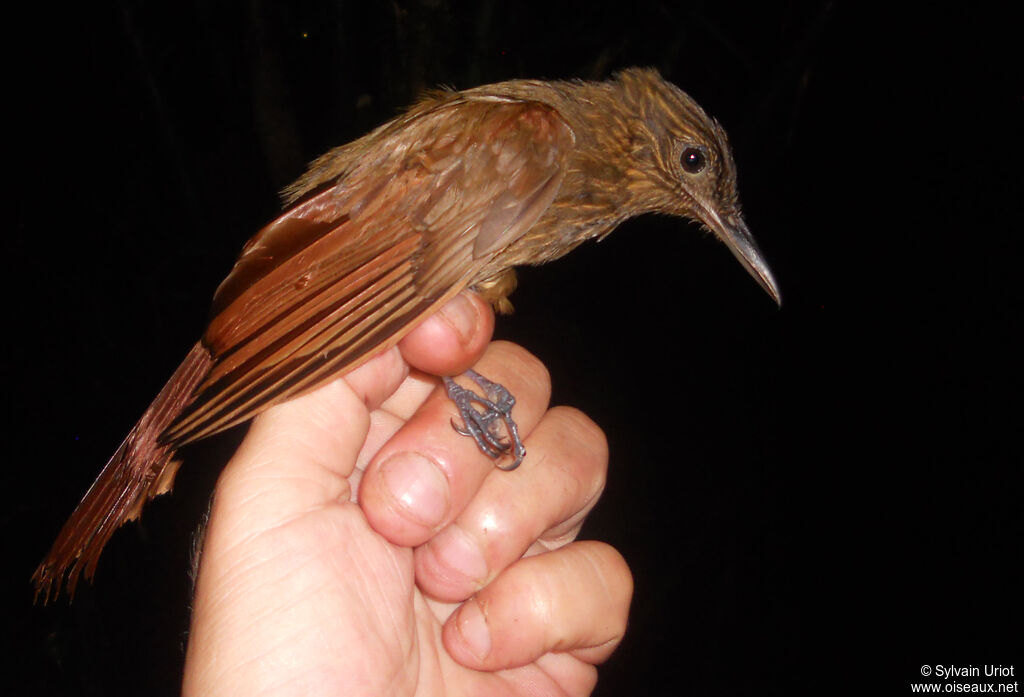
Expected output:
(693, 160)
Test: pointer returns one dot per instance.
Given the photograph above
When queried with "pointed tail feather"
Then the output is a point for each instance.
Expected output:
(140, 469)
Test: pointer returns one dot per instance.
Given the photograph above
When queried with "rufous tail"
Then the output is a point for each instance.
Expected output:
(140, 469)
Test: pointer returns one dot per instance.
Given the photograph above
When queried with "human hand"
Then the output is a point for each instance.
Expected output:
(305, 590)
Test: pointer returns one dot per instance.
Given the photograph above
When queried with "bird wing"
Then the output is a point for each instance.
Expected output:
(423, 204)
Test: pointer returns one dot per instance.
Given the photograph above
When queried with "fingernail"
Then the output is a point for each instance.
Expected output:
(461, 314)
(472, 628)
(455, 551)
(418, 487)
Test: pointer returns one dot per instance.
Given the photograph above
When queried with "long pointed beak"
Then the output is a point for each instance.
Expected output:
(741, 243)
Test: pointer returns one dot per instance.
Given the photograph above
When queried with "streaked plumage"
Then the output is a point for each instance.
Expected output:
(384, 230)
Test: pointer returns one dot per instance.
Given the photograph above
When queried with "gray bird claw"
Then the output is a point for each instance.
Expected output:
(483, 424)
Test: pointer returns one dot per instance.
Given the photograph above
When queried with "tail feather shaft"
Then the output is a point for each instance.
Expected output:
(140, 469)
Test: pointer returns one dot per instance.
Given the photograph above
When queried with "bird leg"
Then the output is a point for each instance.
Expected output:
(482, 424)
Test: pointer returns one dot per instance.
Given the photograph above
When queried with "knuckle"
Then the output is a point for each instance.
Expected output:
(523, 364)
(615, 575)
(584, 453)
(583, 431)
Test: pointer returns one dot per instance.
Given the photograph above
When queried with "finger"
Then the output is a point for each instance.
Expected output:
(427, 473)
(574, 599)
(446, 343)
(453, 338)
(455, 335)
(546, 501)
(306, 447)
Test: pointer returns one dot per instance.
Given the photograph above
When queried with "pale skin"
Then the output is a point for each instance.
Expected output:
(357, 545)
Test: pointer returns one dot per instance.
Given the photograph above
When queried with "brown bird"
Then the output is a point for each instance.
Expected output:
(381, 232)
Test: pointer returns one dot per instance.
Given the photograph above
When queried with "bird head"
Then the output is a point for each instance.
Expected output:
(681, 165)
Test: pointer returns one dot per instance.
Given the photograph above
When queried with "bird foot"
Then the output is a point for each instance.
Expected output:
(483, 422)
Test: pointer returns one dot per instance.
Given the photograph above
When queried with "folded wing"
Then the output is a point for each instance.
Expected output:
(353, 268)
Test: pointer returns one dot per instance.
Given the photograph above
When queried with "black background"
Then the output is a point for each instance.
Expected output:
(814, 500)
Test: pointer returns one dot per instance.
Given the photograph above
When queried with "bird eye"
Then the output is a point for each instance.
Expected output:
(693, 160)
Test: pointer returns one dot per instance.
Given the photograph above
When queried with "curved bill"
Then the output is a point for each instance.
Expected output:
(741, 243)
